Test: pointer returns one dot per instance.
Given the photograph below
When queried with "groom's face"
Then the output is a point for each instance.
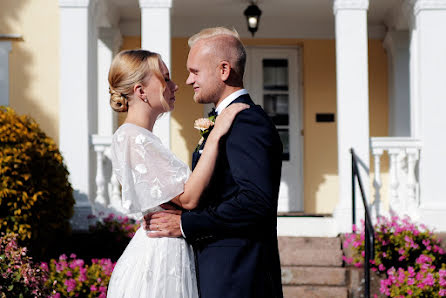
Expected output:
(203, 74)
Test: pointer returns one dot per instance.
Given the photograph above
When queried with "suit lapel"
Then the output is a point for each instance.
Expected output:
(241, 99)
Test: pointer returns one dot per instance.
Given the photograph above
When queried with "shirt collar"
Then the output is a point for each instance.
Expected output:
(227, 101)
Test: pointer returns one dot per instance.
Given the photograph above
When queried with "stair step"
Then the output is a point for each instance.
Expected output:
(314, 292)
(310, 257)
(323, 276)
(326, 243)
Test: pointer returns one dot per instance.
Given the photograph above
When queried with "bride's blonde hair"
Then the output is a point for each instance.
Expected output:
(129, 68)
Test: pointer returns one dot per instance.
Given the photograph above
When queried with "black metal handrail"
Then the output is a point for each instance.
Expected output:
(369, 237)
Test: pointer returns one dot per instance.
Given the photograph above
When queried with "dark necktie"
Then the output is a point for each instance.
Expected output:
(212, 113)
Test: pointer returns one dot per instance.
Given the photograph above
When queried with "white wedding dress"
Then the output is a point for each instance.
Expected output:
(150, 175)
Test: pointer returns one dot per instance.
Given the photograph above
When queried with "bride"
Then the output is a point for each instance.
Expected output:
(151, 175)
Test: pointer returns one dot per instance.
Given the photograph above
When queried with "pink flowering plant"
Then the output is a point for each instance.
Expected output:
(423, 280)
(19, 276)
(71, 277)
(410, 257)
(122, 227)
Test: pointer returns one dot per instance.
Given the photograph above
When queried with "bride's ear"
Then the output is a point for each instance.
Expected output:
(140, 92)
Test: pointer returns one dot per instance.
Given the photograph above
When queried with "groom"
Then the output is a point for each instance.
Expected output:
(233, 230)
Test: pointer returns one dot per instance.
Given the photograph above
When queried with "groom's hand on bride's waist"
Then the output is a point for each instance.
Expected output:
(163, 224)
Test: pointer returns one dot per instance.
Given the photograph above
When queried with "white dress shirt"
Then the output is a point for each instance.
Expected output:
(227, 101)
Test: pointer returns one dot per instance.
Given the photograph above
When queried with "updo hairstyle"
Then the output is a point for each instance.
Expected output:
(129, 68)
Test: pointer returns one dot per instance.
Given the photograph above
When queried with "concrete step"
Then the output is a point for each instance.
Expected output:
(310, 257)
(316, 276)
(325, 243)
(310, 251)
(314, 292)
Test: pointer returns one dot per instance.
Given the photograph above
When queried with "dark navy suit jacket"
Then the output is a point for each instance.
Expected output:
(233, 230)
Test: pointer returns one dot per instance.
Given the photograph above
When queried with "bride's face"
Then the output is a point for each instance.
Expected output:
(171, 87)
(159, 100)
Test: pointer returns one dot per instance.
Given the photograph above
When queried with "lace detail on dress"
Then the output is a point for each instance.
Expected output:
(149, 173)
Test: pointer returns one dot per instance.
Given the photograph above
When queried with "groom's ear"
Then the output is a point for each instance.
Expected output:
(225, 70)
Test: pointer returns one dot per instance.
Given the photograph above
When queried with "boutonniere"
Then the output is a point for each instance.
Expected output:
(204, 125)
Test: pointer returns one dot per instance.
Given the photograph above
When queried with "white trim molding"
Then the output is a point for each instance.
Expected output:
(5, 48)
(350, 5)
(428, 5)
(155, 3)
(74, 3)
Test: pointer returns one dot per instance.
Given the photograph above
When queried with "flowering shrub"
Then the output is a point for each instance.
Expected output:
(19, 277)
(422, 281)
(398, 243)
(409, 255)
(71, 277)
(123, 228)
(36, 198)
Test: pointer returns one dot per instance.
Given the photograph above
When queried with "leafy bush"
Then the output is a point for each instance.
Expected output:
(19, 276)
(410, 256)
(36, 199)
(425, 280)
(70, 277)
(119, 227)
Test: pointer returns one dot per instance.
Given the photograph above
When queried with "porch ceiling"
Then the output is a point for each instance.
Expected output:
(294, 13)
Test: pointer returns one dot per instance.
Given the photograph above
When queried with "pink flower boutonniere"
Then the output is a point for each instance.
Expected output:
(204, 125)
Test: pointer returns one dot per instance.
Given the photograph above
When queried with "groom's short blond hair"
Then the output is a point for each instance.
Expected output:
(227, 42)
(211, 32)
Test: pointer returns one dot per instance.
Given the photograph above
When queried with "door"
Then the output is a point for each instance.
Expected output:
(272, 79)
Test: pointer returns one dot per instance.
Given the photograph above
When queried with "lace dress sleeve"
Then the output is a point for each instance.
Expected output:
(149, 173)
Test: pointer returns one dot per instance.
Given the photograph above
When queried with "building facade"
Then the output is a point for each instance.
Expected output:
(333, 75)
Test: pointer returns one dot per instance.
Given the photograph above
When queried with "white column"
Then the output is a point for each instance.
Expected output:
(5, 48)
(155, 37)
(430, 97)
(352, 103)
(78, 92)
(397, 47)
(108, 44)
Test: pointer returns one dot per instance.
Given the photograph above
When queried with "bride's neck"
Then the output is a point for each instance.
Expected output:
(141, 118)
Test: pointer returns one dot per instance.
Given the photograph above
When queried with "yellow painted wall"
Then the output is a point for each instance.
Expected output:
(34, 67)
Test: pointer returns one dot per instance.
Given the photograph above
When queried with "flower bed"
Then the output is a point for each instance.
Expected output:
(71, 277)
(66, 276)
(409, 257)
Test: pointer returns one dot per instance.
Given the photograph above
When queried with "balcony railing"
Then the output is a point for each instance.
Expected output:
(403, 192)
(108, 189)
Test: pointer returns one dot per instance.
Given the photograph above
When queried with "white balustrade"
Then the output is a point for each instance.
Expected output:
(403, 183)
(108, 189)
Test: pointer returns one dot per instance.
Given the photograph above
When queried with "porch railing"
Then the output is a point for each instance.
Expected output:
(108, 189)
(403, 186)
(369, 233)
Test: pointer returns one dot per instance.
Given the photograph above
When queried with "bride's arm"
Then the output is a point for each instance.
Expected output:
(200, 177)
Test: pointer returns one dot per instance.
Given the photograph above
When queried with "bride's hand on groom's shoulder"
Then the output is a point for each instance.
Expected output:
(224, 120)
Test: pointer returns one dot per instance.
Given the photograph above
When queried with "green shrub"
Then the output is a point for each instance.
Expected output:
(36, 198)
